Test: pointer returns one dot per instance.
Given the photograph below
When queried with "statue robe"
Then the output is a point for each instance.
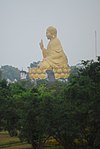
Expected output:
(54, 55)
(54, 59)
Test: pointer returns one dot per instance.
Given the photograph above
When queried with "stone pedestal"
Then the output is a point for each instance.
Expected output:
(50, 75)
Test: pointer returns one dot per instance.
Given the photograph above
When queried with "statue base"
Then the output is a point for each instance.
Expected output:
(50, 75)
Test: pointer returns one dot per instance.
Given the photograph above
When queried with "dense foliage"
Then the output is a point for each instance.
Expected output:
(0, 74)
(68, 111)
(34, 64)
(9, 72)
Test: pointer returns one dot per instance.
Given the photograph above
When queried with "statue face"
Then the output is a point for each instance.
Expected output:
(48, 34)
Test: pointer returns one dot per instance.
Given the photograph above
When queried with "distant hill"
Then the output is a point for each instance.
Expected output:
(9, 72)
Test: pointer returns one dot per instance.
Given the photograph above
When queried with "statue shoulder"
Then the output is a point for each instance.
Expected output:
(56, 41)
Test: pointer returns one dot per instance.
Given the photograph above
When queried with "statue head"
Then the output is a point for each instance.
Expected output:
(51, 32)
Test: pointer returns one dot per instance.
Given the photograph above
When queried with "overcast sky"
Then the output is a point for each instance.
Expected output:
(24, 22)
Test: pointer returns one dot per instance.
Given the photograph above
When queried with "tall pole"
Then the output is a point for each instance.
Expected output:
(95, 45)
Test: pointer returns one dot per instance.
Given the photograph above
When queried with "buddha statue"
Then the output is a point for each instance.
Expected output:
(54, 57)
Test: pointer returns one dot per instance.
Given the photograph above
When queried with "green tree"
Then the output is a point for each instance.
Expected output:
(59, 116)
(30, 124)
(68, 111)
(91, 69)
(34, 64)
(0, 74)
(8, 114)
(87, 98)
(9, 72)
(72, 109)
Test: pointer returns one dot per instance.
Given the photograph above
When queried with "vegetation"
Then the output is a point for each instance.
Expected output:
(34, 64)
(7, 142)
(0, 74)
(9, 72)
(66, 111)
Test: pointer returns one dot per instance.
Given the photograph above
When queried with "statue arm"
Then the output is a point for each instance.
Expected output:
(44, 52)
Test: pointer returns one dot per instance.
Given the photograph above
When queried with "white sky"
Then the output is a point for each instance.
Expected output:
(24, 22)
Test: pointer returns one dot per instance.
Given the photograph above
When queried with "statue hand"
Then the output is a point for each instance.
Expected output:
(41, 44)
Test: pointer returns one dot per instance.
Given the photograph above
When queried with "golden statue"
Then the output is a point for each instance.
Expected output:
(54, 58)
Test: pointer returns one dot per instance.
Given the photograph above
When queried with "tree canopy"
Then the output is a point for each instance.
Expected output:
(67, 111)
(9, 72)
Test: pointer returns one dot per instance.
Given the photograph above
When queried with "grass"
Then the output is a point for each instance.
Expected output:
(7, 142)
(5, 138)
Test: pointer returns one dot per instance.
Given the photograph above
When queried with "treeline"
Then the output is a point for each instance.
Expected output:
(67, 111)
(9, 72)
(12, 74)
